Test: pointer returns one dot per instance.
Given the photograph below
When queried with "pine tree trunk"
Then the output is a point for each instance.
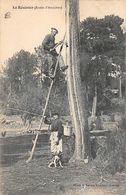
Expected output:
(77, 95)
(125, 89)
(120, 87)
(94, 104)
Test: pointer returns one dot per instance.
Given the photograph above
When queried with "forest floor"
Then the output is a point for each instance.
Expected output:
(35, 178)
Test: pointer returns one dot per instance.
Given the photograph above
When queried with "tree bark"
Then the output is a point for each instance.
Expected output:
(120, 87)
(94, 104)
(125, 88)
(77, 95)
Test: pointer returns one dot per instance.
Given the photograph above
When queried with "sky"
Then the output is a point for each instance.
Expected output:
(26, 28)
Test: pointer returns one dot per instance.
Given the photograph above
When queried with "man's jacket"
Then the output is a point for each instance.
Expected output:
(48, 42)
(57, 126)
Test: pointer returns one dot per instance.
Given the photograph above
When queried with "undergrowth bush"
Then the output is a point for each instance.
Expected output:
(111, 153)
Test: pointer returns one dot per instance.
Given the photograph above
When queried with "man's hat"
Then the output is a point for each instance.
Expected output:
(54, 29)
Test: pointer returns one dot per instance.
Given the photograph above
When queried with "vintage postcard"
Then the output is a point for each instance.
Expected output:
(63, 97)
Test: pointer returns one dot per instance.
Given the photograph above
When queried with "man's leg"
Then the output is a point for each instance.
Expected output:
(47, 68)
(49, 60)
(61, 63)
(54, 139)
(52, 65)
(52, 61)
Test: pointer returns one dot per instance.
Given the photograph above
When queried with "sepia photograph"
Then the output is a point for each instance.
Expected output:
(63, 97)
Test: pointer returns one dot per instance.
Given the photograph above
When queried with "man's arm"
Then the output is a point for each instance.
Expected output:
(56, 45)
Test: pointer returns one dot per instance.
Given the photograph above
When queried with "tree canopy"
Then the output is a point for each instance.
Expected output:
(102, 40)
(22, 87)
(20, 70)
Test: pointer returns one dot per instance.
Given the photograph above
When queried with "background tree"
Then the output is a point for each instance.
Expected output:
(22, 86)
(102, 41)
(20, 70)
(20, 80)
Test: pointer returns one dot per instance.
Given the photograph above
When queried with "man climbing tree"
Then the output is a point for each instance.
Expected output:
(50, 54)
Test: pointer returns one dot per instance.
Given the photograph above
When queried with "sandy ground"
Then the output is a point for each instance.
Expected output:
(35, 178)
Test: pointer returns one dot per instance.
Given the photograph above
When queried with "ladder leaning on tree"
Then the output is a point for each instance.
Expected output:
(46, 104)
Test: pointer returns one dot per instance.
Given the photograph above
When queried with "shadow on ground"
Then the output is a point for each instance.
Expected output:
(16, 148)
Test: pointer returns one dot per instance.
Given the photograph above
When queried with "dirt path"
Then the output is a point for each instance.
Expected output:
(35, 178)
